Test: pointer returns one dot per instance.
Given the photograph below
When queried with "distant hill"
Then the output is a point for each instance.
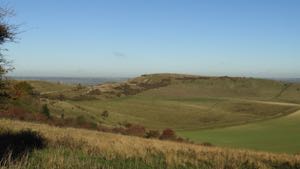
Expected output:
(179, 85)
(70, 80)
(291, 80)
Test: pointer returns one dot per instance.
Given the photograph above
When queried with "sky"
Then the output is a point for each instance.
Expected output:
(125, 38)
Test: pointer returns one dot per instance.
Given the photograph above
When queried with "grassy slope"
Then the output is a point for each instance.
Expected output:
(192, 104)
(277, 135)
(43, 86)
(200, 103)
(182, 114)
(78, 148)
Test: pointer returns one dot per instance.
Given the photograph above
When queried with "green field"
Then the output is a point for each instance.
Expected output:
(277, 135)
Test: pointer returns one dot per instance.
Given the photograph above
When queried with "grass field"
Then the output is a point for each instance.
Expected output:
(182, 114)
(276, 135)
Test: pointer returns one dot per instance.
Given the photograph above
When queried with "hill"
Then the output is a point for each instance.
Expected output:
(195, 106)
(159, 100)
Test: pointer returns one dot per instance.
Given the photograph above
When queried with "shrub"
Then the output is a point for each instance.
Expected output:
(152, 134)
(61, 97)
(78, 87)
(95, 92)
(105, 114)
(80, 120)
(168, 134)
(136, 130)
(45, 110)
(125, 124)
(62, 116)
(181, 140)
(23, 88)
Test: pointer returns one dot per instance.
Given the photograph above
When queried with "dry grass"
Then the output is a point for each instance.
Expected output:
(112, 146)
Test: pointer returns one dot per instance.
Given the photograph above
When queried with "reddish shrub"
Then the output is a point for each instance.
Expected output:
(168, 134)
(18, 113)
(40, 117)
(136, 130)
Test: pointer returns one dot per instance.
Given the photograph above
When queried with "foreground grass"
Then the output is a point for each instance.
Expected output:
(276, 135)
(78, 148)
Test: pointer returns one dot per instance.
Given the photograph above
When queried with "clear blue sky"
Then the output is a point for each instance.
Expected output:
(131, 37)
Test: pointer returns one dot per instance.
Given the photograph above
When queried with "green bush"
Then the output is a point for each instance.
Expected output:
(45, 110)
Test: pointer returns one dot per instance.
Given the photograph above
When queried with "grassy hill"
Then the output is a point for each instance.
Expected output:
(201, 108)
(78, 148)
(159, 100)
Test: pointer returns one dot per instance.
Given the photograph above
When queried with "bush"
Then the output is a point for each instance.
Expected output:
(80, 120)
(95, 92)
(136, 130)
(78, 87)
(105, 114)
(168, 134)
(46, 111)
(152, 134)
(61, 97)
(23, 88)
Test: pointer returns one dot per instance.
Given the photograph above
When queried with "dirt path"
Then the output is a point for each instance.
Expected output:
(276, 103)
(295, 114)
(266, 102)
(56, 91)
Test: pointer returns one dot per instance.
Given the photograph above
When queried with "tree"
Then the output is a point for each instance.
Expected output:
(7, 34)
(23, 88)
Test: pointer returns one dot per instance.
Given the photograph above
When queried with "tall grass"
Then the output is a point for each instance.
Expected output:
(78, 148)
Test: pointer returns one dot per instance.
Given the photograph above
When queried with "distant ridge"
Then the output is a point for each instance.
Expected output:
(291, 80)
(71, 80)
